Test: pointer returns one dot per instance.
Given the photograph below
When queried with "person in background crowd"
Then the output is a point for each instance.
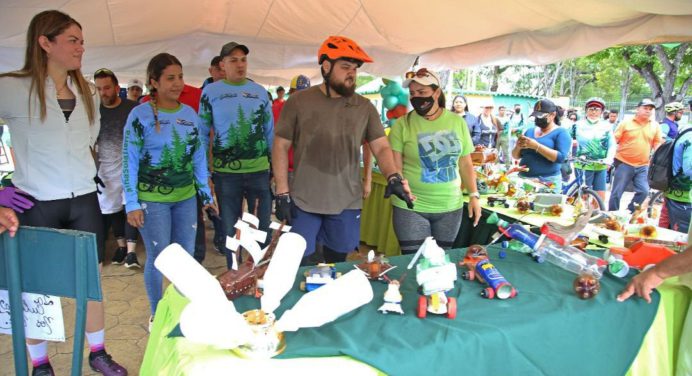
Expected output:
(299, 82)
(677, 207)
(670, 127)
(460, 107)
(606, 114)
(613, 118)
(164, 168)
(135, 90)
(324, 200)
(595, 143)
(503, 139)
(238, 110)
(489, 128)
(435, 174)
(216, 72)
(516, 121)
(545, 147)
(52, 114)
(278, 103)
(109, 151)
(637, 138)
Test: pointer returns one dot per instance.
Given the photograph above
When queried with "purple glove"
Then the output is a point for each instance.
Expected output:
(16, 199)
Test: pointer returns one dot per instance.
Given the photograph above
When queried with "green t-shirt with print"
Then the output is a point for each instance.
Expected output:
(430, 153)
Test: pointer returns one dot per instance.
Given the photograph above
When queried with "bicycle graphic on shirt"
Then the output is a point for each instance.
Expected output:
(155, 181)
(228, 159)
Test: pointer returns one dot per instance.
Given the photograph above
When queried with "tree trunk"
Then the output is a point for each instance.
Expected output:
(551, 83)
(624, 92)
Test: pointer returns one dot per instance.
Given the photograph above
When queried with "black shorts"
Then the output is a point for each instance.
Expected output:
(81, 213)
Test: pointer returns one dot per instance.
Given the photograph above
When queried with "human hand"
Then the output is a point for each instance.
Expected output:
(8, 221)
(474, 209)
(136, 218)
(100, 183)
(212, 210)
(16, 199)
(284, 208)
(642, 285)
(367, 187)
(397, 186)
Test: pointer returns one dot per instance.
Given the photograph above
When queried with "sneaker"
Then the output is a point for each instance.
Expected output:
(119, 256)
(101, 362)
(44, 369)
(131, 261)
(151, 323)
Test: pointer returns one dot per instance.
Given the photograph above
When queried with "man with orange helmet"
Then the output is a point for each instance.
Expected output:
(326, 125)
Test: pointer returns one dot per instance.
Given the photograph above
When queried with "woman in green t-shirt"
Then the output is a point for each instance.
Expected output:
(432, 147)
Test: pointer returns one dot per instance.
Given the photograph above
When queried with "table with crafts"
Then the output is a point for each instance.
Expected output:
(545, 329)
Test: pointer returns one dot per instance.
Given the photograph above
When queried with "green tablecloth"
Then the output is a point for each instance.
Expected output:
(546, 329)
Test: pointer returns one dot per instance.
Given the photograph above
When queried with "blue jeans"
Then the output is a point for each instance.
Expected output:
(623, 175)
(230, 191)
(165, 223)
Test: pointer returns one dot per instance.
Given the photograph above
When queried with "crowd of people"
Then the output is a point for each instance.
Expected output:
(161, 162)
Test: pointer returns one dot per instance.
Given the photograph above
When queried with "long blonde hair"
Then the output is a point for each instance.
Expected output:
(49, 23)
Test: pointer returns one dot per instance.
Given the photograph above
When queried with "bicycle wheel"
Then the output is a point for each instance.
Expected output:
(164, 189)
(588, 199)
(145, 187)
(655, 203)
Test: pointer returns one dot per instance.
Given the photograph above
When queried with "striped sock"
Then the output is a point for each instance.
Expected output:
(38, 353)
(96, 340)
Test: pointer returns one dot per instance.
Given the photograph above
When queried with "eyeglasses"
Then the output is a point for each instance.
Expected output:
(103, 71)
(423, 72)
(593, 109)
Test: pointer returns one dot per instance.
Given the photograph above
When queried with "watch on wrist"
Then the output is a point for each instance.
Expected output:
(475, 194)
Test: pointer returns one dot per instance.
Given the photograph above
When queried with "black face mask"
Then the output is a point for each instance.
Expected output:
(541, 123)
(517, 110)
(422, 105)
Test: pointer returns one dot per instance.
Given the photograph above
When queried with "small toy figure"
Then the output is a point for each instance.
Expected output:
(319, 276)
(586, 286)
(523, 206)
(392, 299)
(435, 274)
(375, 267)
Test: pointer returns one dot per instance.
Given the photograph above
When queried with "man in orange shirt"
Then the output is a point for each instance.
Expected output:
(637, 138)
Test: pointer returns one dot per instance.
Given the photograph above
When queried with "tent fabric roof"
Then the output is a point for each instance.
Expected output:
(283, 35)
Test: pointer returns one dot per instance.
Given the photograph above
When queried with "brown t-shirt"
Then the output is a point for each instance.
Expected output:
(327, 134)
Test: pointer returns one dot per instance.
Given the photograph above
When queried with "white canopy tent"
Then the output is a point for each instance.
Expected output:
(283, 35)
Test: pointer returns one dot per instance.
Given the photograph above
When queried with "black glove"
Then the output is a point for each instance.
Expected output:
(284, 208)
(396, 187)
(98, 182)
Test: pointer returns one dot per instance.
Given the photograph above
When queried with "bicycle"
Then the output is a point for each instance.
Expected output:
(578, 194)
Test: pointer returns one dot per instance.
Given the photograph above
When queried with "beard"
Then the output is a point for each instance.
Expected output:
(342, 89)
(109, 101)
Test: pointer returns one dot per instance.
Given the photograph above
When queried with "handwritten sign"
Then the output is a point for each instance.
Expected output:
(42, 316)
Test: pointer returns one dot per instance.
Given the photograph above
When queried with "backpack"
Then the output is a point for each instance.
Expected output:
(661, 165)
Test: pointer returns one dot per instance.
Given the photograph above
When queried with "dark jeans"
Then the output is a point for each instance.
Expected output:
(231, 189)
(200, 238)
(623, 174)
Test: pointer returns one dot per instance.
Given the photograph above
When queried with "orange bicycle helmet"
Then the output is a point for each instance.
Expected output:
(337, 47)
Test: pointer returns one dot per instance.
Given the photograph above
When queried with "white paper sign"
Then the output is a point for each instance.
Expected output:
(42, 316)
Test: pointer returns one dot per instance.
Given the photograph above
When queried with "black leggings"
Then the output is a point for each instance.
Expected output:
(81, 213)
(121, 229)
